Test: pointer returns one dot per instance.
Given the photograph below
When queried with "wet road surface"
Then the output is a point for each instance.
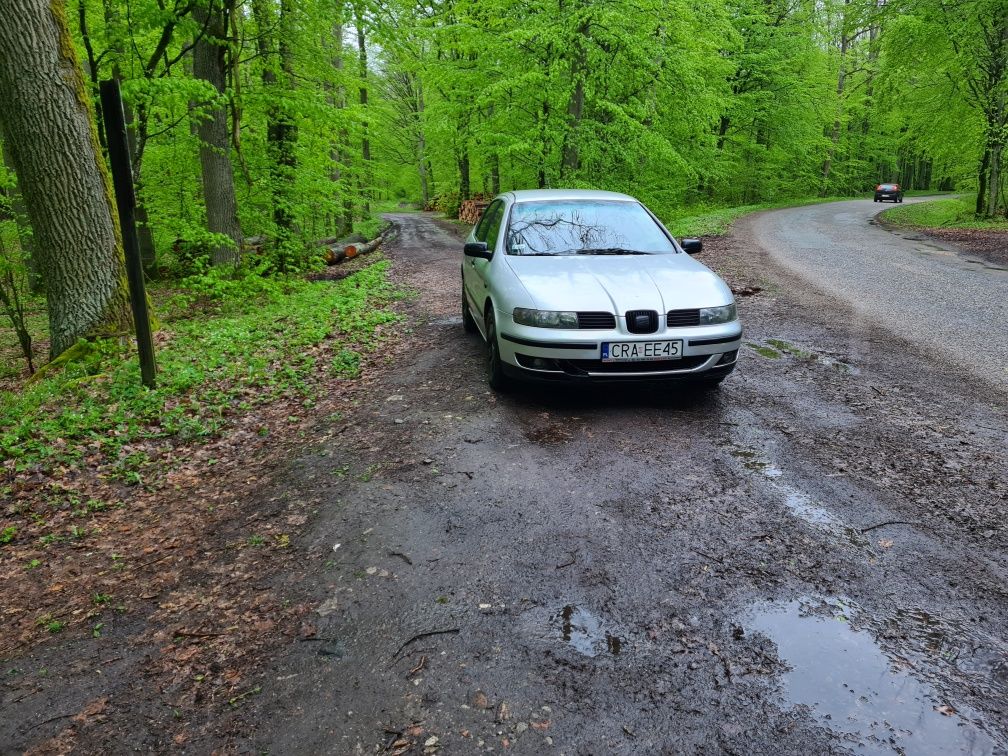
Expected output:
(955, 305)
(810, 560)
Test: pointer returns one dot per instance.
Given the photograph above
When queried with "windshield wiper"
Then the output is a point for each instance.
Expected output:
(610, 251)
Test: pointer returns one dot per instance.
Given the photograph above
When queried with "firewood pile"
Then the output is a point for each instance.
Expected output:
(470, 210)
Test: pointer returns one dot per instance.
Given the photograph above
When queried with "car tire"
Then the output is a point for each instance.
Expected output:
(900, 200)
(496, 377)
(468, 323)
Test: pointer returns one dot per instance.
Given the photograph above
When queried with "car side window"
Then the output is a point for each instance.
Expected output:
(489, 224)
(493, 226)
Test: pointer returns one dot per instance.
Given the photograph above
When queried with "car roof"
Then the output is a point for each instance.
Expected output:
(532, 195)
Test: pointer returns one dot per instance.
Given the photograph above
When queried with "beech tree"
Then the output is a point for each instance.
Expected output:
(209, 64)
(49, 129)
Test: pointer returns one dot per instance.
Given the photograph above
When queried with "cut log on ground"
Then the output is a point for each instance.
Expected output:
(336, 255)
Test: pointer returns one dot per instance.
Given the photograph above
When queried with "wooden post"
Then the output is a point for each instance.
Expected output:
(122, 181)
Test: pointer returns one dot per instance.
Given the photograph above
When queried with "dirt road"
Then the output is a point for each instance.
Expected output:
(810, 560)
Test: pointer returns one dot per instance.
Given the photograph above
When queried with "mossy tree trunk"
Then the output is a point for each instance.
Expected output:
(209, 64)
(48, 125)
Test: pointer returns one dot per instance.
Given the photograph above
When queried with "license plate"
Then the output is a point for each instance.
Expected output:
(639, 351)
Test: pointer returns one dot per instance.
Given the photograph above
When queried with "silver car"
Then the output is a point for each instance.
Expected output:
(590, 286)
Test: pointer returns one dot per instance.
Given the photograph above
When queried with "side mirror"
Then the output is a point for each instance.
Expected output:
(691, 246)
(477, 249)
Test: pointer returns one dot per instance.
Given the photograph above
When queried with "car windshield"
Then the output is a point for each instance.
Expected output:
(584, 227)
(888, 187)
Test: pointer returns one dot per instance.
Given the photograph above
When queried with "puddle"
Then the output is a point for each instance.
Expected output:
(934, 639)
(853, 688)
(585, 632)
(453, 320)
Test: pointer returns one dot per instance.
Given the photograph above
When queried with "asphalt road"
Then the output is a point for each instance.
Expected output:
(955, 306)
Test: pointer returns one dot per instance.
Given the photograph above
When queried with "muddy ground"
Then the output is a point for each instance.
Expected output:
(811, 559)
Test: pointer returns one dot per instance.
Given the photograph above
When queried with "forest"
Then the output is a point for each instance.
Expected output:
(258, 127)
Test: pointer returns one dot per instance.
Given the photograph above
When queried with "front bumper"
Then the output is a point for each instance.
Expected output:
(709, 352)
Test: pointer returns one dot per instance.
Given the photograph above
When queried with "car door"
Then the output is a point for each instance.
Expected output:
(474, 269)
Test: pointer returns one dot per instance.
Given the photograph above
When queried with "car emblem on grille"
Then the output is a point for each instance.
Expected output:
(642, 321)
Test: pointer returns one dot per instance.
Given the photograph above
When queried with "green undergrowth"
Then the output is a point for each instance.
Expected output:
(226, 346)
(716, 221)
(953, 212)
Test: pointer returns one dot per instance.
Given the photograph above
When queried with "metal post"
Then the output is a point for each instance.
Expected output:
(122, 181)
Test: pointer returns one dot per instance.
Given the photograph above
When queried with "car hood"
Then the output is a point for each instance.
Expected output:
(590, 283)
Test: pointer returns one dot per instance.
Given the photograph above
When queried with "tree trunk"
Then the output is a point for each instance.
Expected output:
(281, 131)
(722, 131)
(425, 191)
(543, 149)
(841, 80)
(463, 166)
(92, 68)
(115, 32)
(218, 174)
(981, 198)
(993, 190)
(365, 139)
(495, 174)
(571, 160)
(49, 127)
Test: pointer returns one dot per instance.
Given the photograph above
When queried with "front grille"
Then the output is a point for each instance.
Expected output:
(681, 318)
(597, 320)
(648, 321)
(649, 366)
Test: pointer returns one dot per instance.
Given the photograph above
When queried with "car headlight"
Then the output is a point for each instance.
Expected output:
(545, 318)
(713, 315)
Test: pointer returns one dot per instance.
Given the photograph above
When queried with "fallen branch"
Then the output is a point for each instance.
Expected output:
(420, 665)
(421, 636)
(883, 524)
(573, 558)
(711, 557)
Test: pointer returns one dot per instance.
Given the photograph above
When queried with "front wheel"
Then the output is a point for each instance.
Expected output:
(496, 377)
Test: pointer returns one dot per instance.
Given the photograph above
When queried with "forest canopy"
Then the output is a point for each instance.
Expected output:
(270, 124)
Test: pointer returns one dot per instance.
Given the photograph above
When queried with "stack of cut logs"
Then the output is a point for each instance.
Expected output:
(470, 210)
(336, 253)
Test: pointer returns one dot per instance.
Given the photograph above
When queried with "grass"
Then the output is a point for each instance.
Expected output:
(715, 221)
(953, 212)
(225, 348)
